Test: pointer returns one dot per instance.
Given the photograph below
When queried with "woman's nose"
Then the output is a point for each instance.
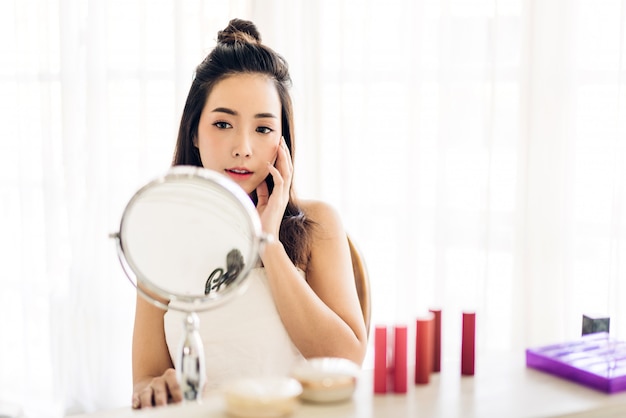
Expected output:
(242, 146)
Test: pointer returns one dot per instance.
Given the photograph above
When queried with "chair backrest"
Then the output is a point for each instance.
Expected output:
(362, 281)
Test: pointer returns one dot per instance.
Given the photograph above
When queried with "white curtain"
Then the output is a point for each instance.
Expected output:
(475, 150)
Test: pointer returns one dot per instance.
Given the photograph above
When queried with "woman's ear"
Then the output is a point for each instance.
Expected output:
(195, 141)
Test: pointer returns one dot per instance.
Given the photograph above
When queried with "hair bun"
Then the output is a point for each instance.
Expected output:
(239, 30)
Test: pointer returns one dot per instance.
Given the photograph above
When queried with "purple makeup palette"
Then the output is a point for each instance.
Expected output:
(595, 360)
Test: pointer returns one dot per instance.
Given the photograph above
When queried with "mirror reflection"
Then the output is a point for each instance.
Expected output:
(189, 237)
(187, 241)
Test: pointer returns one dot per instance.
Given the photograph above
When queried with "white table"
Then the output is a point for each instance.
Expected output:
(501, 387)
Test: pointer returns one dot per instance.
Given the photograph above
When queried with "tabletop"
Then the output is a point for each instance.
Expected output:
(501, 387)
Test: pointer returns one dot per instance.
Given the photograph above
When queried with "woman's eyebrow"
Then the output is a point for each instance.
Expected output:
(224, 110)
(265, 115)
(234, 113)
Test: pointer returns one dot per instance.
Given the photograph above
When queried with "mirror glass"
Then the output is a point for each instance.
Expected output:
(189, 237)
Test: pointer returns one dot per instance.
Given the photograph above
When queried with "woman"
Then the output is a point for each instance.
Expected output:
(302, 302)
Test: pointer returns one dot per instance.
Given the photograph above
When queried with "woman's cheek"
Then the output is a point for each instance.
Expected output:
(275, 153)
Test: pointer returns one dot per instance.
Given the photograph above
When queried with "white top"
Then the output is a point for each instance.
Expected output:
(243, 337)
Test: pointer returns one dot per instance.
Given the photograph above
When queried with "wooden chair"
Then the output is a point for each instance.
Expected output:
(362, 282)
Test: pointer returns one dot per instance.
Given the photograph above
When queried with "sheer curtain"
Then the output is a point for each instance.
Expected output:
(475, 150)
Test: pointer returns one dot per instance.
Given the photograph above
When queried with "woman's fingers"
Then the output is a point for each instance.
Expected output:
(136, 401)
(145, 397)
(262, 193)
(277, 177)
(285, 163)
(282, 171)
(272, 206)
(174, 389)
(161, 391)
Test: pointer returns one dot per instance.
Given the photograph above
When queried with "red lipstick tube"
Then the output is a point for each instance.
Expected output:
(468, 342)
(424, 349)
(399, 359)
(436, 339)
(380, 359)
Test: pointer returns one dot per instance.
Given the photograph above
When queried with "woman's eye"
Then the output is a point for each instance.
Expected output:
(223, 125)
(264, 130)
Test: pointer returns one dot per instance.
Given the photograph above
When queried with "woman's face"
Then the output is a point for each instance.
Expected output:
(240, 128)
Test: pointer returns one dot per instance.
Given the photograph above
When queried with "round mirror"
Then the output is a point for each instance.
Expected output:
(189, 238)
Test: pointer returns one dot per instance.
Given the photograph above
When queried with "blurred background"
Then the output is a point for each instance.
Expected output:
(474, 148)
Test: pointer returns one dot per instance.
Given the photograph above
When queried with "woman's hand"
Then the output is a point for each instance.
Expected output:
(272, 207)
(158, 391)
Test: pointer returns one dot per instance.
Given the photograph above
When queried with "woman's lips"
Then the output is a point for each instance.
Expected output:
(238, 173)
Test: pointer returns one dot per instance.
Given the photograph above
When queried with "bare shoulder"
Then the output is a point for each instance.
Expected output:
(324, 216)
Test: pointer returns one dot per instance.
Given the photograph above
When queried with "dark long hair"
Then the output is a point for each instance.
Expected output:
(239, 50)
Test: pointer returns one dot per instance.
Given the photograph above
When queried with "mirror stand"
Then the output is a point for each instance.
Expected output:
(190, 370)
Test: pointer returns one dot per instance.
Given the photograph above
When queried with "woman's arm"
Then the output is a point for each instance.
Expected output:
(322, 314)
(154, 378)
